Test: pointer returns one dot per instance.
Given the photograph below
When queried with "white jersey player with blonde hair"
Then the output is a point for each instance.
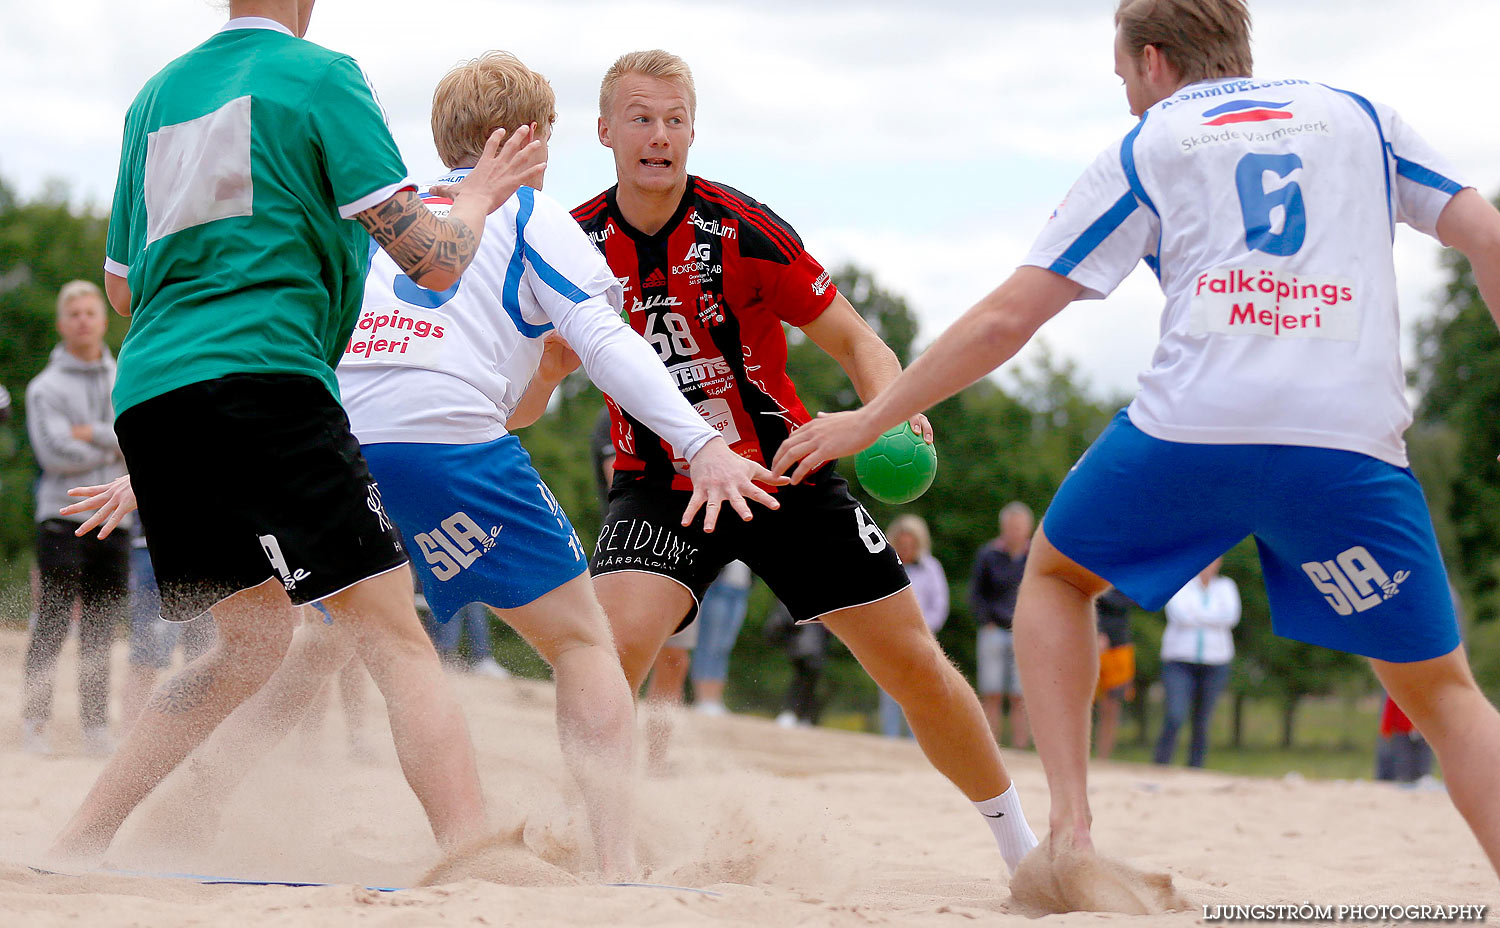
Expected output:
(1273, 406)
(432, 382)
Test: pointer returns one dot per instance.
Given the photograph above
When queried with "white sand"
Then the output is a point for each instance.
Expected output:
(789, 827)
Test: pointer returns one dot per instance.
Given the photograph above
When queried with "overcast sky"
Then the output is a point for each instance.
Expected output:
(927, 142)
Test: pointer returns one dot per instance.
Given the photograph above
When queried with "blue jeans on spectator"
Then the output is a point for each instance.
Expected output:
(892, 719)
(476, 618)
(1191, 688)
(720, 617)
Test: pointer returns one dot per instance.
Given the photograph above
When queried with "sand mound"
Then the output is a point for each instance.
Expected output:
(1073, 881)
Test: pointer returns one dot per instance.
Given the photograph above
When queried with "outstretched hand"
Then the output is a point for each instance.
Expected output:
(114, 501)
(558, 359)
(522, 162)
(719, 476)
(826, 438)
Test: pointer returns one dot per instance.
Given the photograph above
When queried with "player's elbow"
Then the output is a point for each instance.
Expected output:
(1471, 224)
(436, 279)
(1001, 329)
(117, 291)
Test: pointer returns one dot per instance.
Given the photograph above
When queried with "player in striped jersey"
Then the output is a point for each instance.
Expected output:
(710, 276)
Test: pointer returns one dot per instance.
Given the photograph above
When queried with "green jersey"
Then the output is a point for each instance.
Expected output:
(243, 164)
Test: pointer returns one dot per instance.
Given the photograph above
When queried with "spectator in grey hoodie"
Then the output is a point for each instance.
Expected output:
(70, 419)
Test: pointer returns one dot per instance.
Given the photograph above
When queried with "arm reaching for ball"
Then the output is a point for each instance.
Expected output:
(985, 337)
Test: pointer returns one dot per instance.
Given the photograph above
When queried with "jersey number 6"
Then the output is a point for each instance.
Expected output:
(409, 291)
(1257, 203)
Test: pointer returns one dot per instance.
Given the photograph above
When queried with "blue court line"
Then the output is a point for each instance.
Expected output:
(244, 881)
(680, 889)
(204, 879)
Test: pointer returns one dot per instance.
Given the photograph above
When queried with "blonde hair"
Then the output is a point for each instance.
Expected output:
(493, 91)
(1014, 508)
(74, 289)
(654, 63)
(915, 526)
(1201, 39)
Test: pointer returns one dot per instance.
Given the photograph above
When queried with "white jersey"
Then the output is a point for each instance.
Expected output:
(1267, 210)
(449, 367)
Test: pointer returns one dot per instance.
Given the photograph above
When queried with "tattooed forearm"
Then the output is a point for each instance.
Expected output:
(418, 241)
(184, 692)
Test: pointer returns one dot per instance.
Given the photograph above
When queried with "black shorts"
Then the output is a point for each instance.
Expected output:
(249, 477)
(820, 552)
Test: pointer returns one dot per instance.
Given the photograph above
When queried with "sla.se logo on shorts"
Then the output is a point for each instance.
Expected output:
(1353, 581)
(455, 544)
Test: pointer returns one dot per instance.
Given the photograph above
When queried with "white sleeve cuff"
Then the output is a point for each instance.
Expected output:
(350, 210)
(114, 267)
(696, 445)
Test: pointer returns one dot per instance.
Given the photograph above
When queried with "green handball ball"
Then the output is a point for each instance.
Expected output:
(898, 468)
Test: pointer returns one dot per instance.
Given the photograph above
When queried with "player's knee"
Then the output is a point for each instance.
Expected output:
(265, 643)
(919, 671)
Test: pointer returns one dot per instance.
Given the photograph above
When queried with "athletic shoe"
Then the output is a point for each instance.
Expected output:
(710, 708)
(34, 738)
(787, 719)
(489, 668)
(97, 742)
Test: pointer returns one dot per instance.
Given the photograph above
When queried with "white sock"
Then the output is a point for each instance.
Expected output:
(1004, 816)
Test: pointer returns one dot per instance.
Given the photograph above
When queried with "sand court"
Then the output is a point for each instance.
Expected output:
(787, 827)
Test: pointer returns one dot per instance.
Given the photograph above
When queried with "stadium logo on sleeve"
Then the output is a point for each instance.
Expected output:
(1237, 111)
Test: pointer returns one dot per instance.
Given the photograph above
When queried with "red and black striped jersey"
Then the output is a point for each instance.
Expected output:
(710, 292)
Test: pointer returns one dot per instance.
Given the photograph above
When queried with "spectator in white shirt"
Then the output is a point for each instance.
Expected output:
(1196, 650)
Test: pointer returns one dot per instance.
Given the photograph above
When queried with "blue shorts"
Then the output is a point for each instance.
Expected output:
(478, 521)
(1346, 543)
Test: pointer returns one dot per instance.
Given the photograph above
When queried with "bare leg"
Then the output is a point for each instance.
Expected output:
(643, 609)
(1057, 655)
(1020, 725)
(899, 653)
(669, 675)
(1109, 726)
(663, 695)
(709, 691)
(432, 739)
(1463, 728)
(991, 703)
(292, 695)
(255, 627)
(139, 681)
(354, 697)
(595, 711)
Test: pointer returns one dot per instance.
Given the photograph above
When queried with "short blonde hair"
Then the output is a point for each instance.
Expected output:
(1202, 39)
(915, 526)
(74, 289)
(654, 63)
(1016, 508)
(493, 91)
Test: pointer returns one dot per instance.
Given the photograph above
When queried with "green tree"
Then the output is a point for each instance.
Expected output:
(1453, 447)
